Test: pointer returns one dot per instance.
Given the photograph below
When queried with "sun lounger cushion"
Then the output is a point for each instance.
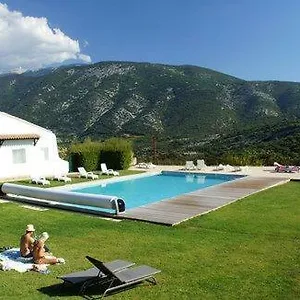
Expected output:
(94, 273)
(135, 274)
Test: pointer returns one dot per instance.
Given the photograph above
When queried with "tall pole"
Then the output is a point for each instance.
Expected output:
(154, 149)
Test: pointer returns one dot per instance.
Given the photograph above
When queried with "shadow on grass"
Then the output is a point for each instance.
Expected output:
(94, 291)
(61, 290)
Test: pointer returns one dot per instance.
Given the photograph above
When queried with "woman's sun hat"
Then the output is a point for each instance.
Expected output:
(30, 228)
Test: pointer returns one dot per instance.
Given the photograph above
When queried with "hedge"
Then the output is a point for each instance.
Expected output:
(116, 153)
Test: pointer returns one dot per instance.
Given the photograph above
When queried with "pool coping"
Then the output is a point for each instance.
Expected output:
(73, 186)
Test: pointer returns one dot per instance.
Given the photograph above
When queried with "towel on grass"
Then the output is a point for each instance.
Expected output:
(11, 259)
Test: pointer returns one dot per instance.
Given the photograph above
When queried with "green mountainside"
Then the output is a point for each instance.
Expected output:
(142, 99)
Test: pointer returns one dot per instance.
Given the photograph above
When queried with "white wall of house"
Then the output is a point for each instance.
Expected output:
(21, 158)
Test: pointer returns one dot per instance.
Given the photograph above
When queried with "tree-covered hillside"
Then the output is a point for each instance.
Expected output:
(142, 99)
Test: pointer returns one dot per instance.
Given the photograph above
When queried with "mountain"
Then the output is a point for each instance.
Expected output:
(139, 99)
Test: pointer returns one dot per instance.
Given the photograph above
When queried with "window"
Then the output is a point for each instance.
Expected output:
(19, 156)
(45, 153)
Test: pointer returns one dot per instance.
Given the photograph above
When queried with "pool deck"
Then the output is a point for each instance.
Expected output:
(178, 209)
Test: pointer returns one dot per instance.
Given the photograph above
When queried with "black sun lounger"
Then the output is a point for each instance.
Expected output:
(125, 277)
(93, 275)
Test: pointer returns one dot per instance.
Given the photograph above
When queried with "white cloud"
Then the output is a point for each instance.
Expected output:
(85, 43)
(29, 43)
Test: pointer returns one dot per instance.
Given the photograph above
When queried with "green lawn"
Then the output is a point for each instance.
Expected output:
(247, 250)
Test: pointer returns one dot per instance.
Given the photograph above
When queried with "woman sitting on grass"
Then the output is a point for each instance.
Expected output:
(40, 256)
(27, 241)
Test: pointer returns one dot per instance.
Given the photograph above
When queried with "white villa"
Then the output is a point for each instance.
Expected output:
(28, 150)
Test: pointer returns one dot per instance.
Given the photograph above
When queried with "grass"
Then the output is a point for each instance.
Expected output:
(247, 250)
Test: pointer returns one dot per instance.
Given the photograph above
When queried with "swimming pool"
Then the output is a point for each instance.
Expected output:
(148, 189)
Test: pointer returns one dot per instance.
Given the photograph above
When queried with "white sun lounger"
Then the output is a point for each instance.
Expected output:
(106, 171)
(189, 165)
(84, 173)
(220, 167)
(230, 168)
(144, 165)
(39, 180)
(64, 178)
(237, 169)
(201, 164)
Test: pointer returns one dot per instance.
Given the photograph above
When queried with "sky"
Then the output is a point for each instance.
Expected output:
(249, 39)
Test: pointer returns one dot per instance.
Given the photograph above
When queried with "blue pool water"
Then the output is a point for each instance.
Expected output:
(144, 190)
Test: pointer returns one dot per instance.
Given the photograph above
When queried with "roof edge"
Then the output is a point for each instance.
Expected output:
(26, 122)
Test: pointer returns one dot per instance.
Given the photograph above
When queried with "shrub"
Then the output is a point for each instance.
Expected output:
(85, 155)
(116, 153)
